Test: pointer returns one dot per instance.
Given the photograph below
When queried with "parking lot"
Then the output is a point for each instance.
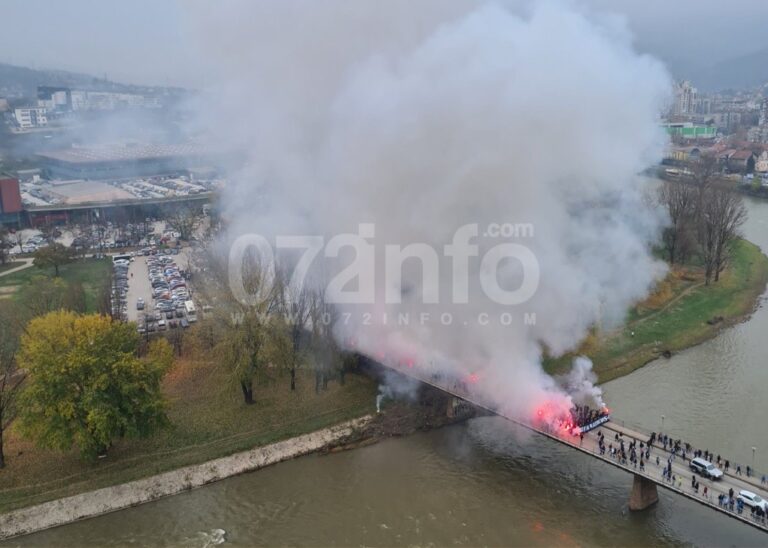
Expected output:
(158, 281)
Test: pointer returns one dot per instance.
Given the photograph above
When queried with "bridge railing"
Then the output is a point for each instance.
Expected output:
(736, 469)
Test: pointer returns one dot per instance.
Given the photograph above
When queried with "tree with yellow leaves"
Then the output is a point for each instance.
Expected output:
(86, 385)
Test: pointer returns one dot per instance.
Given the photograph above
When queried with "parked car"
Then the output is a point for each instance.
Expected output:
(184, 323)
(139, 304)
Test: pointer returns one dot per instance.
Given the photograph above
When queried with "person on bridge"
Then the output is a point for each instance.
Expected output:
(738, 469)
(727, 465)
(749, 471)
(762, 480)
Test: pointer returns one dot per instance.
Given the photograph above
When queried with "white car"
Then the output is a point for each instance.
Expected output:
(752, 500)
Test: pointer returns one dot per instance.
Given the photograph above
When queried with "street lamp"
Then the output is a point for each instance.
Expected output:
(753, 456)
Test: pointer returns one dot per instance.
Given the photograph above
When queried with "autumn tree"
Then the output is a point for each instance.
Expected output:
(86, 385)
(53, 256)
(11, 378)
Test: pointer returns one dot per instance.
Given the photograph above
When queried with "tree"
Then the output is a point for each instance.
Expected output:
(294, 307)
(5, 244)
(703, 173)
(327, 355)
(42, 295)
(85, 384)
(237, 332)
(53, 256)
(184, 220)
(11, 378)
(679, 200)
(721, 216)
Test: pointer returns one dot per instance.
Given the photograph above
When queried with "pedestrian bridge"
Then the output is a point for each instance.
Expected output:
(645, 482)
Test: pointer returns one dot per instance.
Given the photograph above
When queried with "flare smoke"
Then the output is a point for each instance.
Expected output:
(421, 117)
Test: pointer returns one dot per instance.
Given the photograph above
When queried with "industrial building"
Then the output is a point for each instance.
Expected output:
(109, 162)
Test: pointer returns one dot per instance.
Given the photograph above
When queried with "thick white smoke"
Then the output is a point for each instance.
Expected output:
(422, 117)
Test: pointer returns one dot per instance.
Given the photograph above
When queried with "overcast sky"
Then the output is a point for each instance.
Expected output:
(144, 41)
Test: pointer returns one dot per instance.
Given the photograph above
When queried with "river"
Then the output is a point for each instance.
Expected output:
(484, 482)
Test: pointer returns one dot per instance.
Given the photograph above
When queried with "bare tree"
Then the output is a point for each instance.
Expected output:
(184, 220)
(679, 200)
(721, 215)
(11, 378)
(326, 352)
(5, 244)
(294, 306)
(704, 172)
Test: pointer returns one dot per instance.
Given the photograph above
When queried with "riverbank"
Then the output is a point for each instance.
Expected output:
(683, 312)
(208, 421)
(110, 499)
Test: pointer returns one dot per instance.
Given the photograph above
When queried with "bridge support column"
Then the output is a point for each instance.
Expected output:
(643, 495)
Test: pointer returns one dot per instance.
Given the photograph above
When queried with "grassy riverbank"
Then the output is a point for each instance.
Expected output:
(208, 421)
(682, 313)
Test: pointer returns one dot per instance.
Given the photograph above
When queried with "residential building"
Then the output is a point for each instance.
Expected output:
(685, 99)
(30, 117)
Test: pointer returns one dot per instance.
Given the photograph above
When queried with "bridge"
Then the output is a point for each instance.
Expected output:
(645, 481)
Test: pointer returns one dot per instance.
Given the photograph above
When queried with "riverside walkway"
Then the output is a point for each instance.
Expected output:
(644, 492)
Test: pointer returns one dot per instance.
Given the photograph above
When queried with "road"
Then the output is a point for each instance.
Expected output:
(138, 286)
(27, 263)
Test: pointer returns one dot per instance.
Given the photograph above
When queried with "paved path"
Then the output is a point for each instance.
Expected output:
(139, 286)
(27, 264)
(589, 445)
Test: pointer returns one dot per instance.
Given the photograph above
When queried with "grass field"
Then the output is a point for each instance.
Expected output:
(682, 313)
(91, 273)
(208, 420)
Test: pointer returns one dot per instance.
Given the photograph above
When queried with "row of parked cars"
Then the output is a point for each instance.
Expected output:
(171, 296)
(120, 288)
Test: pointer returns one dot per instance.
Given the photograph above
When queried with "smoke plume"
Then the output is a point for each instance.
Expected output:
(422, 117)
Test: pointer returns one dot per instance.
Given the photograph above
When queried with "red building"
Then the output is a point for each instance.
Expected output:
(10, 202)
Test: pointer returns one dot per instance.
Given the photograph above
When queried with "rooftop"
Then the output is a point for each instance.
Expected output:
(112, 153)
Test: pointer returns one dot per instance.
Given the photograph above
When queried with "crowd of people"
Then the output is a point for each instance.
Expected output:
(638, 454)
(584, 415)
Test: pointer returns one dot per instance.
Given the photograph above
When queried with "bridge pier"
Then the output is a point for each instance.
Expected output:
(644, 494)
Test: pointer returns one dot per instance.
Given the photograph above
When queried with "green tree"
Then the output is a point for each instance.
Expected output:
(85, 384)
(53, 256)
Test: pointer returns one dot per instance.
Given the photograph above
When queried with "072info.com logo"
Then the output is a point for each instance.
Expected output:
(355, 282)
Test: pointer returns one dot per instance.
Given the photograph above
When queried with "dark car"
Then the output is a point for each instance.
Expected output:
(169, 314)
(184, 323)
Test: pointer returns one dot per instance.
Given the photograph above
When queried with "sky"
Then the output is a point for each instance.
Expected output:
(149, 41)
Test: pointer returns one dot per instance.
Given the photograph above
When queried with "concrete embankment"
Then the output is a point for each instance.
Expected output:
(109, 499)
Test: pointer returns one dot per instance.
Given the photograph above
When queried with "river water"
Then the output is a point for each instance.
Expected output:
(485, 482)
